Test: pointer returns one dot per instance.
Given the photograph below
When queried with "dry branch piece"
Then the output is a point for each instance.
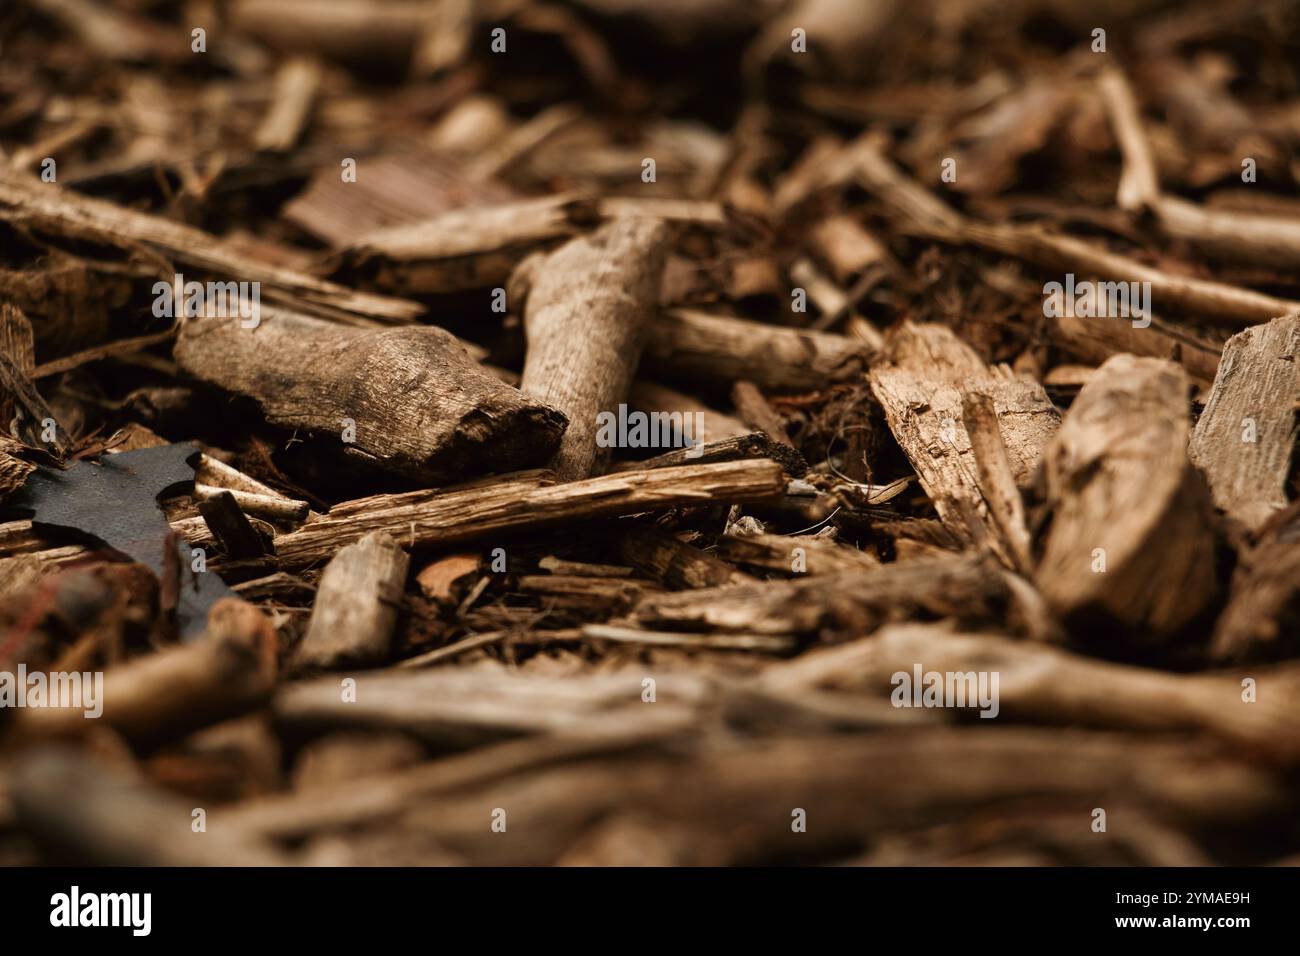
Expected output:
(585, 309)
(685, 343)
(356, 605)
(417, 403)
(1138, 186)
(50, 210)
(1245, 439)
(423, 518)
(1130, 536)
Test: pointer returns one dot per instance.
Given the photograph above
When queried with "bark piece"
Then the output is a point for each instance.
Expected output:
(1262, 617)
(920, 390)
(1245, 439)
(838, 603)
(585, 311)
(1125, 498)
(675, 563)
(356, 607)
(419, 405)
(775, 552)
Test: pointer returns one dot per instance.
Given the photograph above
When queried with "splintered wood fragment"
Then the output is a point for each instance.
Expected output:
(1245, 439)
(473, 248)
(1262, 617)
(13, 470)
(1138, 187)
(794, 555)
(965, 587)
(920, 389)
(47, 209)
(1130, 539)
(586, 307)
(356, 607)
(675, 563)
(97, 814)
(717, 642)
(749, 445)
(18, 394)
(422, 518)
(996, 483)
(292, 94)
(411, 398)
(165, 695)
(685, 343)
(231, 527)
(1042, 684)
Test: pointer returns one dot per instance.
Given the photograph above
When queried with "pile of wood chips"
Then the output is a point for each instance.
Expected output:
(562, 431)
